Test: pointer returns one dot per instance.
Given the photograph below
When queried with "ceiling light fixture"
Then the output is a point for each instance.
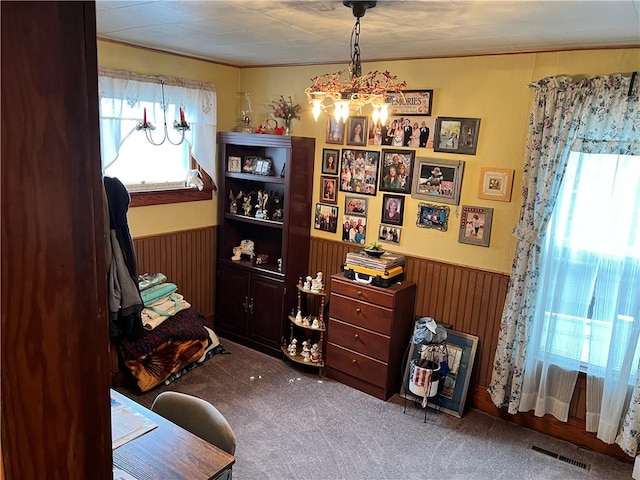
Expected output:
(181, 126)
(356, 90)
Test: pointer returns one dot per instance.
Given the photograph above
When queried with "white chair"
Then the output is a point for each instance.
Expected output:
(198, 417)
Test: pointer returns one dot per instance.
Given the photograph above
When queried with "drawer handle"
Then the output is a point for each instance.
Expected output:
(359, 293)
(354, 361)
(355, 335)
(358, 310)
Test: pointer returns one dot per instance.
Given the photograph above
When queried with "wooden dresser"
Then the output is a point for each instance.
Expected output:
(368, 334)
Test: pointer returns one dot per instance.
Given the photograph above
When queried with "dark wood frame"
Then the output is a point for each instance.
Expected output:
(395, 227)
(323, 181)
(356, 198)
(467, 130)
(318, 210)
(366, 188)
(407, 157)
(326, 153)
(351, 122)
(386, 198)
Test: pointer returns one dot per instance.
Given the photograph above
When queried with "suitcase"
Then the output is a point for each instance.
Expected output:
(381, 271)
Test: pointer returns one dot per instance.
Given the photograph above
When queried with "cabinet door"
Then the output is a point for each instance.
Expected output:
(233, 301)
(266, 321)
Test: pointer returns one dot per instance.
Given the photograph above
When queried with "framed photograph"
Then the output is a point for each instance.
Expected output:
(357, 131)
(414, 132)
(330, 159)
(496, 184)
(411, 102)
(250, 164)
(326, 218)
(475, 225)
(335, 130)
(354, 205)
(234, 164)
(456, 135)
(390, 234)
(328, 189)
(433, 216)
(459, 352)
(437, 180)
(392, 209)
(359, 171)
(397, 168)
(354, 229)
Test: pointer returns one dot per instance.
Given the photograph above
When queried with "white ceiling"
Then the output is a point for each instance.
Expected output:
(294, 32)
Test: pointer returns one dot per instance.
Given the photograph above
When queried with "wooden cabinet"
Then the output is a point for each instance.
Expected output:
(252, 297)
(368, 333)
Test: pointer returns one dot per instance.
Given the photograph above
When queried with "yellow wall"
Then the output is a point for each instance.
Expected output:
(145, 221)
(492, 88)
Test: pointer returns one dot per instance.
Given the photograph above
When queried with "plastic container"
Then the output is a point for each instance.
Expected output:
(424, 377)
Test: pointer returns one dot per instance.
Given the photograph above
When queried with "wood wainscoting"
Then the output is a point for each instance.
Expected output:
(471, 300)
(188, 259)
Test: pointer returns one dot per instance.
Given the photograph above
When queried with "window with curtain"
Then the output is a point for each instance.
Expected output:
(125, 98)
(589, 300)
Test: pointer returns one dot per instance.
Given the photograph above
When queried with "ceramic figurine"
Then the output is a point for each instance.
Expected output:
(237, 251)
(277, 208)
(315, 323)
(305, 321)
(233, 206)
(259, 211)
(307, 283)
(315, 353)
(299, 317)
(306, 352)
(293, 348)
(316, 283)
(246, 205)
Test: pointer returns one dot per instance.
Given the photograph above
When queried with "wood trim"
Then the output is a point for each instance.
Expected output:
(163, 197)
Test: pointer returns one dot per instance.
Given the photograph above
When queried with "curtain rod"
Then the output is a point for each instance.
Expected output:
(139, 77)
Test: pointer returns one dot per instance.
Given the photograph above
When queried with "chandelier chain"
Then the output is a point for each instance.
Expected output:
(356, 67)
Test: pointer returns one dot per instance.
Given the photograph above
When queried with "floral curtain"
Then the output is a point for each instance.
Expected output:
(599, 115)
(120, 111)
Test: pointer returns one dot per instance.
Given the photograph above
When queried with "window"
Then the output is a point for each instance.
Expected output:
(125, 98)
(589, 299)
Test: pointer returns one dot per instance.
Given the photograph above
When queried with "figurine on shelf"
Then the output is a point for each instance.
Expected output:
(259, 212)
(305, 321)
(293, 348)
(306, 352)
(233, 206)
(315, 353)
(307, 283)
(299, 317)
(277, 208)
(246, 204)
(315, 323)
(237, 251)
(316, 283)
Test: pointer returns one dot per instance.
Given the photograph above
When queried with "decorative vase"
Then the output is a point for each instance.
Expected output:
(287, 126)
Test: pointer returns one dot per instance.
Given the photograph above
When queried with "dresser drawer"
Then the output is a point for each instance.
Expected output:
(362, 341)
(360, 366)
(362, 314)
(376, 295)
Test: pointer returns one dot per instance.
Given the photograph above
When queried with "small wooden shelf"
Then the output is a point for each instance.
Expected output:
(292, 319)
(253, 220)
(298, 359)
(311, 292)
(255, 178)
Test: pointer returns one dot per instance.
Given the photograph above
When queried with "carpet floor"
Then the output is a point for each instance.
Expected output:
(290, 424)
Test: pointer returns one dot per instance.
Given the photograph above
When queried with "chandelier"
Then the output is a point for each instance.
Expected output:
(349, 89)
(181, 126)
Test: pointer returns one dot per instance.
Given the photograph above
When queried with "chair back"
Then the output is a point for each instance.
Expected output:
(198, 417)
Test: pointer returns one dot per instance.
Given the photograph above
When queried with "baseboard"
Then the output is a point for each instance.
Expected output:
(571, 431)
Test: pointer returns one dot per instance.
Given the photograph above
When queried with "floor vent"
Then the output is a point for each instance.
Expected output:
(562, 458)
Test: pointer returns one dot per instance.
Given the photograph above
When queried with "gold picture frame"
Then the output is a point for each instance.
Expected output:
(496, 184)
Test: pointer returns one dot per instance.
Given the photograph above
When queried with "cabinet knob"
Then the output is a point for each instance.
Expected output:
(359, 293)
(355, 335)
(354, 361)
(358, 310)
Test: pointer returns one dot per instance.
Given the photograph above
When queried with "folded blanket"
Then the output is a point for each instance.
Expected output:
(157, 313)
(148, 280)
(184, 325)
(155, 293)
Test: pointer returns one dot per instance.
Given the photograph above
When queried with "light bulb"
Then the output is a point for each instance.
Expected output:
(384, 113)
(337, 111)
(375, 115)
(317, 108)
(345, 110)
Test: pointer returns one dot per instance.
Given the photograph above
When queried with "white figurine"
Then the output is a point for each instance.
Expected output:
(293, 347)
(315, 353)
(237, 251)
(316, 283)
(305, 321)
(315, 323)
(306, 352)
(299, 317)
(307, 284)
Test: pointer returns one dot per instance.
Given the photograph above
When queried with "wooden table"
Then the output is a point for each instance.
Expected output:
(169, 452)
